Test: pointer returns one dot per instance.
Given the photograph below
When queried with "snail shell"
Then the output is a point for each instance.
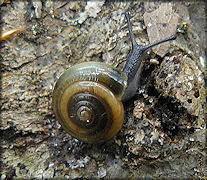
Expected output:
(87, 101)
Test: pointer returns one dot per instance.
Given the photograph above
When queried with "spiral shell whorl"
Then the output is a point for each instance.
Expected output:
(87, 101)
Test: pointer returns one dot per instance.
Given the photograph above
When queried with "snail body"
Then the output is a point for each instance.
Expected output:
(87, 98)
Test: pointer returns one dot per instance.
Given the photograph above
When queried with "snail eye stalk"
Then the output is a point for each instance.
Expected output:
(133, 66)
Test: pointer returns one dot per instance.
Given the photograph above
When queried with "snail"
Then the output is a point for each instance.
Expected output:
(87, 98)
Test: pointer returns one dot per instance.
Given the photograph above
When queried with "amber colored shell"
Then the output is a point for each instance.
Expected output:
(87, 101)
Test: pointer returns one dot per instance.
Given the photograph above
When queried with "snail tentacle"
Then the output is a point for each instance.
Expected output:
(134, 63)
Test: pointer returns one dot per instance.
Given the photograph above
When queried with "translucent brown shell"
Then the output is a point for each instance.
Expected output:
(87, 101)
